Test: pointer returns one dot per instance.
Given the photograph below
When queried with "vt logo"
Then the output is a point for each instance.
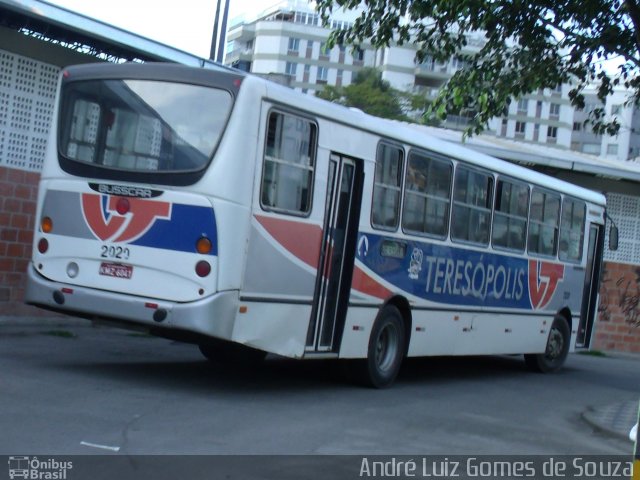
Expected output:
(543, 281)
(120, 219)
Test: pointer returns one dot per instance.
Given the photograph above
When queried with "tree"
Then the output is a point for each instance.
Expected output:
(529, 46)
(369, 93)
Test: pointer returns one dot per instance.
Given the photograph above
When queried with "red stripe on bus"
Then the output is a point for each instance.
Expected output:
(363, 283)
(301, 239)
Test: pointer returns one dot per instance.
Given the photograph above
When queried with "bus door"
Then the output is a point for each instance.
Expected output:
(591, 284)
(337, 254)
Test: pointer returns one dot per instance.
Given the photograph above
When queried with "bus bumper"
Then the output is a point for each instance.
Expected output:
(210, 316)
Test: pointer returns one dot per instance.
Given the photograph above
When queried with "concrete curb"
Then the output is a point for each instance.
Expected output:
(615, 419)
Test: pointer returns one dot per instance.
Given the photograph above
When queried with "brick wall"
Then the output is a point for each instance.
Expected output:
(18, 196)
(618, 326)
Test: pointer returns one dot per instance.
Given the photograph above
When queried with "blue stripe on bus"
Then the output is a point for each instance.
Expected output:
(457, 276)
(187, 224)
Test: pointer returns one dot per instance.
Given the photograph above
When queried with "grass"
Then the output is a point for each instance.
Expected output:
(60, 333)
(593, 353)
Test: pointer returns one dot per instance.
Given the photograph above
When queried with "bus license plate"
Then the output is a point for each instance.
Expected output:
(117, 270)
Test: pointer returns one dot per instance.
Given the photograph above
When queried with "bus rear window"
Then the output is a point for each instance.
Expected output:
(142, 125)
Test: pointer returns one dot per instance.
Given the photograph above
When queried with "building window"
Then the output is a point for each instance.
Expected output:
(287, 179)
(385, 211)
(358, 55)
(294, 45)
(325, 51)
(290, 69)
(307, 18)
(523, 105)
(472, 198)
(340, 25)
(552, 132)
(577, 126)
(510, 220)
(520, 128)
(459, 63)
(322, 75)
(591, 148)
(427, 195)
(554, 110)
(612, 149)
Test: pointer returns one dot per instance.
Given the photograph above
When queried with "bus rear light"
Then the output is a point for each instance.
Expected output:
(203, 245)
(43, 245)
(152, 306)
(46, 225)
(123, 206)
(203, 268)
(68, 291)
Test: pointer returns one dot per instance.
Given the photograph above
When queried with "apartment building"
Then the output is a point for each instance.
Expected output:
(288, 43)
(288, 40)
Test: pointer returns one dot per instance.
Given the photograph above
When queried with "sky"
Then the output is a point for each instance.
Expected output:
(184, 24)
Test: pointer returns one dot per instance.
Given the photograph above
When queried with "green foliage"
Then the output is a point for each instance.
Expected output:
(529, 46)
(60, 333)
(369, 93)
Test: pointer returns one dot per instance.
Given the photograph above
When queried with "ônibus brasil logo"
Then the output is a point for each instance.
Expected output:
(543, 281)
(120, 219)
(37, 469)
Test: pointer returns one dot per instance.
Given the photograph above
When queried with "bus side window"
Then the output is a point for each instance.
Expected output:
(543, 225)
(472, 194)
(289, 163)
(572, 230)
(427, 195)
(510, 218)
(385, 211)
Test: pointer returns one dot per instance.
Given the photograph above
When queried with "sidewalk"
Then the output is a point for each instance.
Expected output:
(615, 418)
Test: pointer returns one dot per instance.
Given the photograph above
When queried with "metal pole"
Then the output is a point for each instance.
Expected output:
(214, 37)
(222, 44)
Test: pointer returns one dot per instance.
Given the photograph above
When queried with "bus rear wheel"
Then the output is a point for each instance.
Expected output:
(220, 351)
(385, 352)
(556, 350)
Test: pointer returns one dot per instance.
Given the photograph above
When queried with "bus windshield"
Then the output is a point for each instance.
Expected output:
(142, 125)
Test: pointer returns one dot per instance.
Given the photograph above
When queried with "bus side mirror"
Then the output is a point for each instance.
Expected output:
(613, 238)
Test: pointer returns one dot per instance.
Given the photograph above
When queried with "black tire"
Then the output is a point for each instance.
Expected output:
(220, 351)
(385, 352)
(556, 350)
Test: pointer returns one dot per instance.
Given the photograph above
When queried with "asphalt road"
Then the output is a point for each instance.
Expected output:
(92, 390)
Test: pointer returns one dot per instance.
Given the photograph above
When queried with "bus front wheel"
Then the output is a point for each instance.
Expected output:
(556, 350)
(385, 351)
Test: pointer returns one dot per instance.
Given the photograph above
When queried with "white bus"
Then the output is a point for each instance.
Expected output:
(225, 210)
